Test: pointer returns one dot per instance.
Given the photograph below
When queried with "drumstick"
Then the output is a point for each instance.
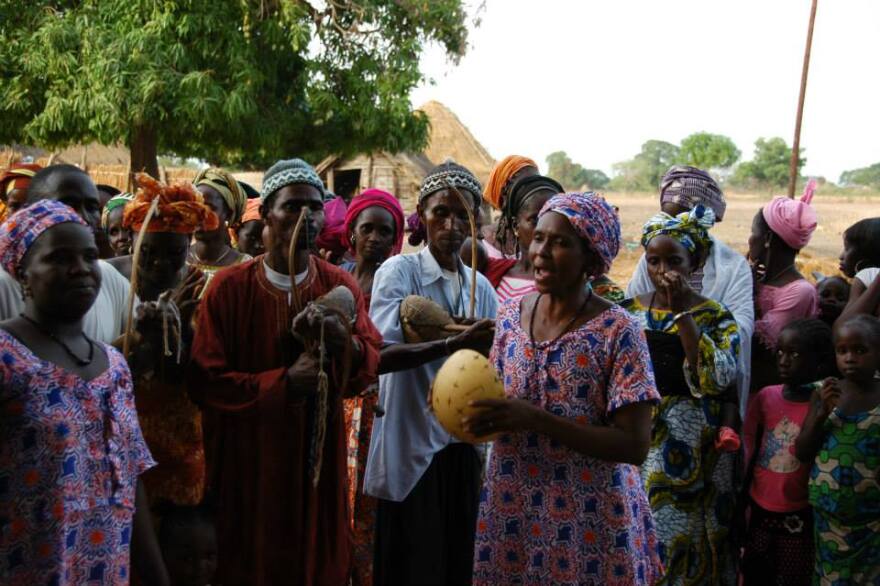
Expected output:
(473, 223)
(291, 255)
(129, 326)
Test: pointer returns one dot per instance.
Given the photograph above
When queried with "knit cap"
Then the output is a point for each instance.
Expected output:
(290, 172)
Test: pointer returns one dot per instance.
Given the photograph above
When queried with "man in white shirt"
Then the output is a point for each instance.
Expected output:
(70, 185)
(427, 481)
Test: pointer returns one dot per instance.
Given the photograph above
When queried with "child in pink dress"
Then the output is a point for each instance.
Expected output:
(779, 537)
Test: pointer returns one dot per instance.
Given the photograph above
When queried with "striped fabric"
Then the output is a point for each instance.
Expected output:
(514, 288)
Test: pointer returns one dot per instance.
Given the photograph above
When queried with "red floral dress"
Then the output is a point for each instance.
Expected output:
(70, 455)
(549, 515)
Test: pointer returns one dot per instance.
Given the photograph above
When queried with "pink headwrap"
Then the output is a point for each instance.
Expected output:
(792, 220)
(334, 226)
(378, 198)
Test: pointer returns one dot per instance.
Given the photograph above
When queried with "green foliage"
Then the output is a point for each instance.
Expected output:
(769, 167)
(644, 171)
(233, 81)
(706, 151)
(572, 175)
(863, 177)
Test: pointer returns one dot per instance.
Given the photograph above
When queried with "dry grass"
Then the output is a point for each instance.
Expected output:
(836, 214)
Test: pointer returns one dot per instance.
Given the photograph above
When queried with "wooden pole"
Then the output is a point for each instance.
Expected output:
(135, 259)
(796, 145)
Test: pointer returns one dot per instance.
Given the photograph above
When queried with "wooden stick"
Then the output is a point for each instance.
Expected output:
(135, 257)
(473, 223)
(291, 256)
(796, 145)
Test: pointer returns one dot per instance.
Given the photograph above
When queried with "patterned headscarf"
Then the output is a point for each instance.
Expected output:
(377, 198)
(690, 229)
(181, 208)
(21, 230)
(116, 202)
(450, 173)
(793, 220)
(689, 186)
(593, 219)
(290, 172)
(500, 176)
(227, 186)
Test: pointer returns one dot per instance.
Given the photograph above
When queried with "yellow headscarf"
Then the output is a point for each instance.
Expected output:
(227, 187)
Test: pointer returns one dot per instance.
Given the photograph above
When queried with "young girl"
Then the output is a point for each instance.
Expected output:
(779, 536)
(841, 438)
(860, 260)
(833, 296)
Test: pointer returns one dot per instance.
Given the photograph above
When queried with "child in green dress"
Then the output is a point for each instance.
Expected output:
(841, 437)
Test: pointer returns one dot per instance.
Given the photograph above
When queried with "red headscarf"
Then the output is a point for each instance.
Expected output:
(18, 176)
(378, 198)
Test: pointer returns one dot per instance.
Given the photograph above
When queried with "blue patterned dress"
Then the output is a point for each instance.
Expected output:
(689, 481)
(549, 515)
(70, 455)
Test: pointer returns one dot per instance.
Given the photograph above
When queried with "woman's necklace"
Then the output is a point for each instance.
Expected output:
(567, 326)
(213, 263)
(51, 335)
(779, 274)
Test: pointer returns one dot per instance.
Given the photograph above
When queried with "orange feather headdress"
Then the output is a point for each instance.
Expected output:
(181, 210)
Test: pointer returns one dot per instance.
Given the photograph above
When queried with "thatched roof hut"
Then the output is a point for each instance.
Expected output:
(402, 173)
(451, 139)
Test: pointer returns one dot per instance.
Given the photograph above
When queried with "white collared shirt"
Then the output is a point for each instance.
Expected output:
(406, 438)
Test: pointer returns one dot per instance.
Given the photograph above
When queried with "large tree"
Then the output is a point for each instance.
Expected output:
(769, 167)
(706, 151)
(644, 171)
(572, 175)
(231, 81)
(862, 177)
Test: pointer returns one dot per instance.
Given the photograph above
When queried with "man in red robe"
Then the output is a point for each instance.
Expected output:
(258, 387)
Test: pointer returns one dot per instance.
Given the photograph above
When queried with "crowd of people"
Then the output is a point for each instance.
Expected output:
(208, 384)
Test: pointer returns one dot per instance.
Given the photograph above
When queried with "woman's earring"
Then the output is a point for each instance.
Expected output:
(26, 292)
(352, 239)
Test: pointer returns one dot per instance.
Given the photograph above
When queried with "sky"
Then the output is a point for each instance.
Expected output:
(597, 78)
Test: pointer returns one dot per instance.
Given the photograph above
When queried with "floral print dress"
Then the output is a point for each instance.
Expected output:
(70, 454)
(689, 482)
(549, 515)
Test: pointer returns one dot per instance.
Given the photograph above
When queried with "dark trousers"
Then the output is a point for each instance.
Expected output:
(428, 538)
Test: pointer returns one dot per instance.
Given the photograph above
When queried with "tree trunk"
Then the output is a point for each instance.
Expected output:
(142, 145)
